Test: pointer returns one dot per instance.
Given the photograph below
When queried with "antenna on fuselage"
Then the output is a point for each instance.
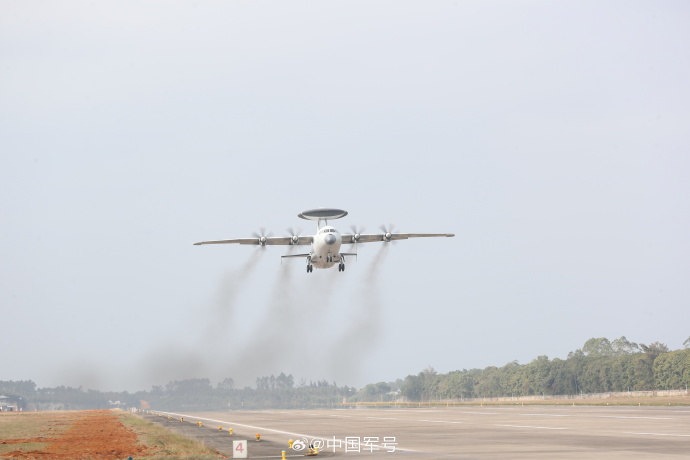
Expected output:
(322, 214)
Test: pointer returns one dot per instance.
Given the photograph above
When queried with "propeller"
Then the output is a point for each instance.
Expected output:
(387, 232)
(294, 235)
(356, 233)
(262, 236)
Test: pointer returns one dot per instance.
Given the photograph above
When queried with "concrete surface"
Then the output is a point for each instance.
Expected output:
(488, 432)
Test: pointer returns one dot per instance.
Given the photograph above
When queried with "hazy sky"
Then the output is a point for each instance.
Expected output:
(553, 138)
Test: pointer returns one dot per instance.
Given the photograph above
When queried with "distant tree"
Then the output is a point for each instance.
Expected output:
(412, 387)
(654, 349)
(622, 347)
(489, 383)
(284, 381)
(576, 355)
(451, 386)
(375, 392)
(672, 370)
(20, 387)
(429, 370)
(156, 390)
(263, 383)
(598, 347)
(686, 344)
(227, 384)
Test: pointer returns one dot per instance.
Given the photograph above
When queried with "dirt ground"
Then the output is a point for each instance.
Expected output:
(78, 435)
(99, 434)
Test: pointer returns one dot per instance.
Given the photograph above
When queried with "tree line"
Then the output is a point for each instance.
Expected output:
(181, 395)
(600, 366)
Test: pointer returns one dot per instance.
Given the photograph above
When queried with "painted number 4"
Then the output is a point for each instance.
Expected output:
(240, 449)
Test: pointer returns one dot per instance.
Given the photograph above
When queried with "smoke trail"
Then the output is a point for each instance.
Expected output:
(286, 337)
(365, 329)
(222, 311)
(176, 359)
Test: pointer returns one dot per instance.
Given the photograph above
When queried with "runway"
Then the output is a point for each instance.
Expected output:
(475, 432)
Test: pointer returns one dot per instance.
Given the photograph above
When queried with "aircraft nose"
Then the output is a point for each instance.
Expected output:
(329, 239)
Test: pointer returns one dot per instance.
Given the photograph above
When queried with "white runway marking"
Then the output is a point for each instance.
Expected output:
(271, 429)
(647, 418)
(535, 427)
(660, 434)
(547, 415)
(384, 418)
(438, 421)
(238, 424)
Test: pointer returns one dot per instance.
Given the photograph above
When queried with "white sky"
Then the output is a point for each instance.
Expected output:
(551, 137)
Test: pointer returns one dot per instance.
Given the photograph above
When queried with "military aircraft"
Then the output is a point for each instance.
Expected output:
(325, 245)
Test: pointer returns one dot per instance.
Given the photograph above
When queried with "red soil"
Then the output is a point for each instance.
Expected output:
(92, 434)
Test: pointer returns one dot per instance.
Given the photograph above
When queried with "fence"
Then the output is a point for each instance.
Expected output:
(622, 394)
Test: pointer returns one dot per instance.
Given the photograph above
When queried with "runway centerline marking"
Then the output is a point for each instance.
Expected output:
(438, 421)
(535, 427)
(547, 415)
(384, 418)
(646, 418)
(660, 434)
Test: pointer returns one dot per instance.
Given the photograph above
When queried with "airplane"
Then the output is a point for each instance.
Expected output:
(325, 245)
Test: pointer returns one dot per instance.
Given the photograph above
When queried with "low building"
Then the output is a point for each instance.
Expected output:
(8, 404)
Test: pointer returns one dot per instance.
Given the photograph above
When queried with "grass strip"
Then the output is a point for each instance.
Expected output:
(164, 443)
(30, 431)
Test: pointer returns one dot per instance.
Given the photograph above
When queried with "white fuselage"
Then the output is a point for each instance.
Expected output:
(325, 250)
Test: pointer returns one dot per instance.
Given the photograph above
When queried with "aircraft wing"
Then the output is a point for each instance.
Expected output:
(349, 238)
(265, 241)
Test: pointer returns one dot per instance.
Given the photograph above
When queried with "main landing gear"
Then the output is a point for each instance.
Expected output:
(329, 258)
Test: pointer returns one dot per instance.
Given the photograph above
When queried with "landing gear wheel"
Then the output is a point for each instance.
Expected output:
(310, 268)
